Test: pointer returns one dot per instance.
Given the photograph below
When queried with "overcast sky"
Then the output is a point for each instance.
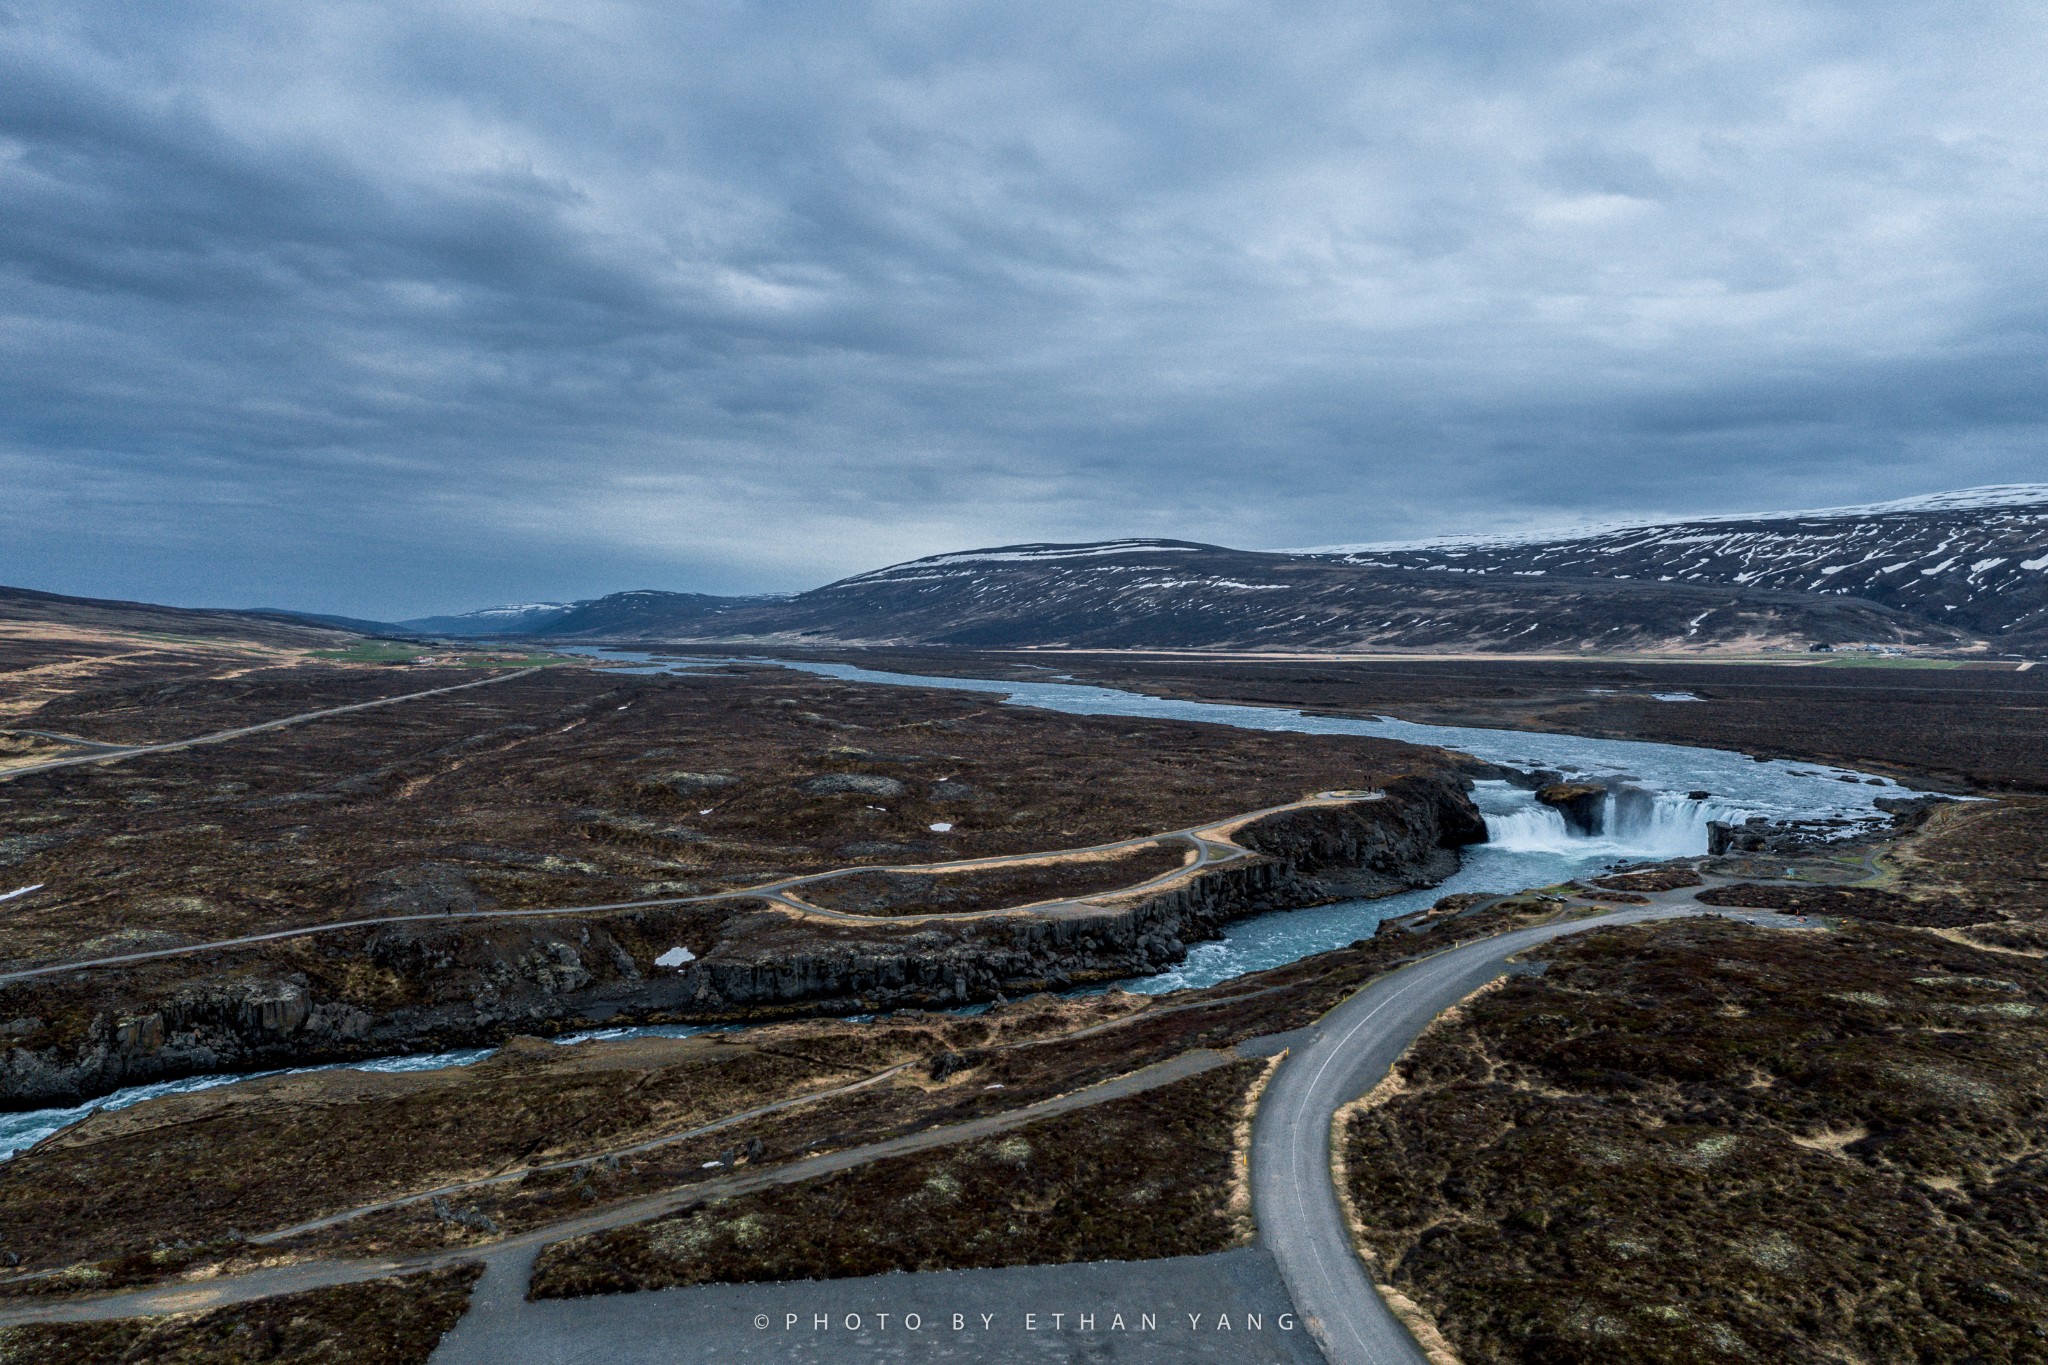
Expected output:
(387, 309)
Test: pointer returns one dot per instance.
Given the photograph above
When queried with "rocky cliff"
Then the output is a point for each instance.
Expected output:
(423, 987)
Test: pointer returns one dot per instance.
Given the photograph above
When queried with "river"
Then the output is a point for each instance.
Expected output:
(1651, 813)
(1651, 810)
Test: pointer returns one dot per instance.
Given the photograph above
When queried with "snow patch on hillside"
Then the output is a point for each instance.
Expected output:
(488, 613)
(1031, 554)
(1990, 497)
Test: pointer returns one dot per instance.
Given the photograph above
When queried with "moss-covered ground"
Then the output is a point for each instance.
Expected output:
(1150, 1175)
(377, 1322)
(1704, 1142)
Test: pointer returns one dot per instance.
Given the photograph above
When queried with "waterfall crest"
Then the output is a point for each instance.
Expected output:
(1635, 823)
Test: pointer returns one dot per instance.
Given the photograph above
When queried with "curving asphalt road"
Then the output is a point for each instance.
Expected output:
(1301, 1225)
(1294, 1196)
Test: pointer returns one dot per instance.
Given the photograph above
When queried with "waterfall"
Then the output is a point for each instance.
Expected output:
(1533, 828)
(1657, 824)
(1635, 823)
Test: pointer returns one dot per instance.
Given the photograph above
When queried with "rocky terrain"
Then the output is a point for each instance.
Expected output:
(1701, 1141)
(412, 987)
(226, 1178)
(570, 787)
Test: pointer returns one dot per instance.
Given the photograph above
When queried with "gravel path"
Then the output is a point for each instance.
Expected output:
(1211, 847)
(513, 1256)
(116, 753)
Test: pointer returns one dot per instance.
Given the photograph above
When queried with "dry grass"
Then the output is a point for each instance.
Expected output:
(1142, 1177)
(902, 893)
(1700, 1142)
(570, 787)
(377, 1322)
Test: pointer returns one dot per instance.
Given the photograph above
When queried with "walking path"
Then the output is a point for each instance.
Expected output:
(1211, 842)
(667, 1139)
(1304, 1242)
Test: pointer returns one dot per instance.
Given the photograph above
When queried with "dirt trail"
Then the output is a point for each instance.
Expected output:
(120, 753)
(1211, 849)
(514, 1256)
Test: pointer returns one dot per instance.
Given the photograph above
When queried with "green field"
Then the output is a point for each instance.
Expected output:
(400, 652)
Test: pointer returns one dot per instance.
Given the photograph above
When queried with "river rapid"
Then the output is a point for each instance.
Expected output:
(1651, 812)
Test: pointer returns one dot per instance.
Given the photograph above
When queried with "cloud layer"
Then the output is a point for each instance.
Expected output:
(395, 308)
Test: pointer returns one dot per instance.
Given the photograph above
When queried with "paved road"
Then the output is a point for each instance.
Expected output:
(1349, 1052)
(1256, 1047)
(1301, 1227)
(1210, 842)
(1019, 1315)
(116, 753)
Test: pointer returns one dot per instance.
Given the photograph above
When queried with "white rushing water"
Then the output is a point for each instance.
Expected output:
(1651, 810)
(1649, 813)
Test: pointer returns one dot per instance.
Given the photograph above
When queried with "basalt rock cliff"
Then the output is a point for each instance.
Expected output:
(427, 987)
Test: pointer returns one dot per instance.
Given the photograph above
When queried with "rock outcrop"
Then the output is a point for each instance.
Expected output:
(424, 986)
(1582, 804)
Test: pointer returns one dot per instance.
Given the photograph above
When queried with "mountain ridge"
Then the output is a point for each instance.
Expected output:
(1979, 498)
(1970, 558)
(1960, 572)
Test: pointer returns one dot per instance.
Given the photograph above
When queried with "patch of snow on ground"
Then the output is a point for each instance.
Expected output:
(675, 957)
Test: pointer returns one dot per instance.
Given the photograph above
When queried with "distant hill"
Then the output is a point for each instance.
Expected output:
(265, 627)
(1950, 571)
(352, 624)
(514, 620)
(1954, 571)
(1975, 560)
(1167, 594)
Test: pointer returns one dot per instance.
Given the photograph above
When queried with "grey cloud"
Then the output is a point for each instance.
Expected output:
(387, 309)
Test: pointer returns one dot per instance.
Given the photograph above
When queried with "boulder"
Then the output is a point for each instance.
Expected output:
(845, 784)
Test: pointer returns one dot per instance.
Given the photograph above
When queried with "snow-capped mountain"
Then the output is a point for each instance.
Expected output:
(519, 619)
(1962, 570)
(1975, 559)
(1176, 595)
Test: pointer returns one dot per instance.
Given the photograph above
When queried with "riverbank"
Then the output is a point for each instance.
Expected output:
(300, 1004)
(212, 1183)
(1960, 728)
(459, 967)
(1772, 1146)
